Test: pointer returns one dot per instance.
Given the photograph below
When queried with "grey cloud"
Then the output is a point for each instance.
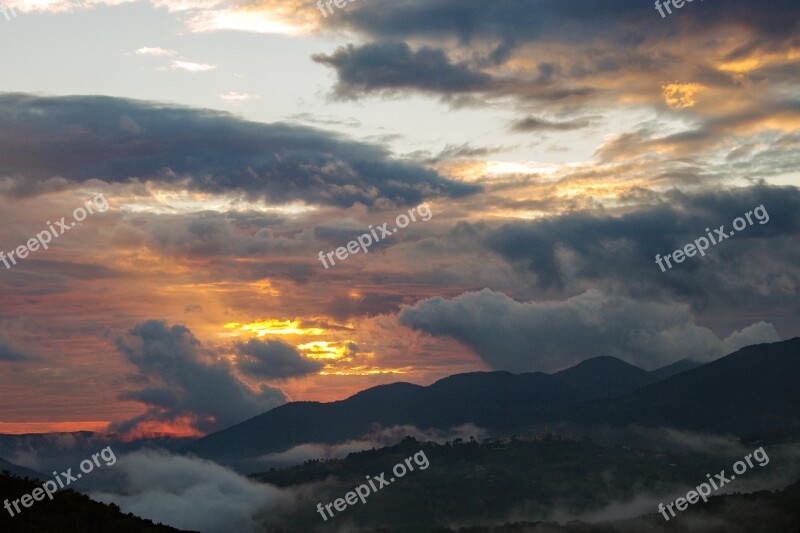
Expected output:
(515, 22)
(9, 352)
(532, 123)
(190, 493)
(57, 141)
(184, 380)
(214, 235)
(757, 269)
(548, 336)
(622, 37)
(379, 438)
(466, 150)
(393, 66)
(273, 359)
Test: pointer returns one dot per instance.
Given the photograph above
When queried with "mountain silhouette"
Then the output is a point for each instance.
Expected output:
(753, 389)
(675, 368)
(605, 376)
(749, 391)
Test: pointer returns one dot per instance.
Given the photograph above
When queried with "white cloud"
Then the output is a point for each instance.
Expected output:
(192, 67)
(237, 98)
(754, 334)
(190, 493)
(379, 438)
(60, 6)
(156, 51)
(277, 20)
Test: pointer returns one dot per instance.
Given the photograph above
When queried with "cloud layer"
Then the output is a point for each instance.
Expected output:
(181, 382)
(273, 359)
(190, 493)
(549, 336)
(50, 141)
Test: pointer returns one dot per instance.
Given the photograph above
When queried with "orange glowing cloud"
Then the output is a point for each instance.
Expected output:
(681, 95)
(261, 328)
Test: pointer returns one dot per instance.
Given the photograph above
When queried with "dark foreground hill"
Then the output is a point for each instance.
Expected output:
(755, 389)
(759, 512)
(527, 477)
(68, 511)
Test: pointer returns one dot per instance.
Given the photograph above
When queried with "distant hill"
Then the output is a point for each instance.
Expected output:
(488, 399)
(68, 511)
(754, 389)
(605, 377)
(484, 398)
(675, 368)
(20, 471)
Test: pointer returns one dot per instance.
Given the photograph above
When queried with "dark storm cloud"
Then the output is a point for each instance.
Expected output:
(214, 234)
(510, 22)
(548, 336)
(273, 359)
(539, 124)
(183, 380)
(389, 66)
(394, 67)
(52, 142)
(366, 305)
(758, 265)
(626, 37)
(9, 352)
(568, 21)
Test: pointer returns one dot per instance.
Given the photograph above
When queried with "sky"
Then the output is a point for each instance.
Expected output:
(559, 147)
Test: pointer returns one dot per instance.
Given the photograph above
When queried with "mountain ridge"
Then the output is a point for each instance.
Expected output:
(764, 397)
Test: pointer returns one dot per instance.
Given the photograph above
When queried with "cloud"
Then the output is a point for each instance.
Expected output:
(755, 334)
(616, 252)
(392, 66)
(184, 383)
(60, 6)
(532, 123)
(192, 67)
(378, 438)
(548, 336)
(235, 98)
(217, 235)
(190, 493)
(154, 51)
(613, 56)
(11, 353)
(273, 359)
(199, 150)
